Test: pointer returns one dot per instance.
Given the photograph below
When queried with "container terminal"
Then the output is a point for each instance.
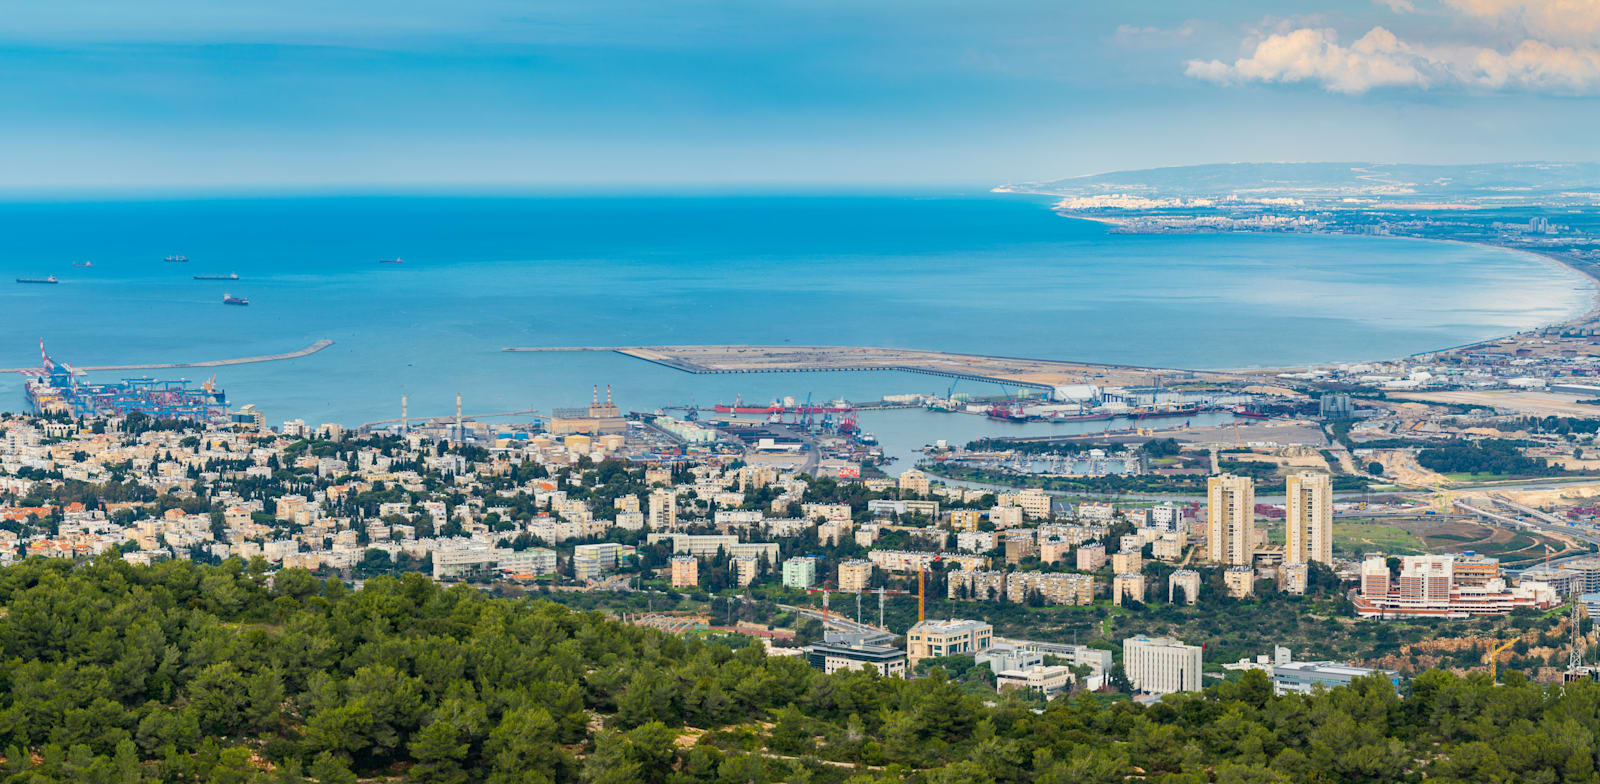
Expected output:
(59, 388)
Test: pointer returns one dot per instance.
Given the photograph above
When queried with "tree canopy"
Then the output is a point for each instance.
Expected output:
(179, 672)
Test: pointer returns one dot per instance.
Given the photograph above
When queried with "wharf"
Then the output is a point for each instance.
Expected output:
(304, 352)
(1001, 370)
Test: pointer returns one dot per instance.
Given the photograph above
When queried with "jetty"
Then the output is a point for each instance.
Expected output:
(1006, 371)
(304, 352)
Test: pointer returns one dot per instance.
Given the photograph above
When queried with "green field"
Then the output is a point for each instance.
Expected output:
(1357, 538)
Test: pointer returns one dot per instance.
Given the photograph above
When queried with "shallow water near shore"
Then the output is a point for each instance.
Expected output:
(962, 272)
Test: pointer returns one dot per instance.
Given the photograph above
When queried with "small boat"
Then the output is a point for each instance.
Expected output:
(83, 264)
(229, 276)
(229, 299)
(50, 279)
(176, 259)
(396, 260)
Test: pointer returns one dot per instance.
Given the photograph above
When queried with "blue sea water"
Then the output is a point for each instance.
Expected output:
(961, 272)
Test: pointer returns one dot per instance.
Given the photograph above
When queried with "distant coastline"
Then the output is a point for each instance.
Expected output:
(1584, 315)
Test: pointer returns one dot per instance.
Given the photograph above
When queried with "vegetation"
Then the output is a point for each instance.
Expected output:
(186, 673)
(1498, 457)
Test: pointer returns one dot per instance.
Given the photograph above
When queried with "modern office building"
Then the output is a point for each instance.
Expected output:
(848, 651)
(1294, 677)
(1308, 518)
(933, 638)
(1230, 519)
(1161, 665)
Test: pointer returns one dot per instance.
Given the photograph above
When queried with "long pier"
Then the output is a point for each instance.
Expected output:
(1041, 374)
(304, 352)
(435, 420)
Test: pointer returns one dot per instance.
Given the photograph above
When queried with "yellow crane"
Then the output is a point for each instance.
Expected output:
(1494, 660)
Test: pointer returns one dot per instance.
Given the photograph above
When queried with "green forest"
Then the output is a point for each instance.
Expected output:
(178, 672)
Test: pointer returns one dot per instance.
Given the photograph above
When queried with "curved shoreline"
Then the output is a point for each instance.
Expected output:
(1592, 276)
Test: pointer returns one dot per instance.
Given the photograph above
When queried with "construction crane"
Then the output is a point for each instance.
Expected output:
(1494, 660)
(922, 592)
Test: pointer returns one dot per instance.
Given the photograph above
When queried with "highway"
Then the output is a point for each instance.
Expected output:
(835, 620)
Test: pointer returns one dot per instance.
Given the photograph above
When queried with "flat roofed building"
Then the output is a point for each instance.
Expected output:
(1304, 677)
(1308, 518)
(1161, 665)
(839, 652)
(855, 575)
(1240, 580)
(1046, 679)
(745, 569)
(800, 572)
(1183, 586)
(1127, 587)
(931, 639)
(1230, 519)
(685, 571)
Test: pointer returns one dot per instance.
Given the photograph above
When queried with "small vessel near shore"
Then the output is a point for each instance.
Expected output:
(229, 299)
(47, 279)
(176, 259)
(229, 276)
(395, 260)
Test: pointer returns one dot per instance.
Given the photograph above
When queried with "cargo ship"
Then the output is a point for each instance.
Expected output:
(392, 261)
(83, 264)
(229, 276)
(176, 259)
(50, 279)
(1249, 413)
(229, 299)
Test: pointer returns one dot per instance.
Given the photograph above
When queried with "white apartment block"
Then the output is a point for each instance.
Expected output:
(1161, 665)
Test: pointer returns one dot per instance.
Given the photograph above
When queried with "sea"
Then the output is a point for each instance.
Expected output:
(958, 271)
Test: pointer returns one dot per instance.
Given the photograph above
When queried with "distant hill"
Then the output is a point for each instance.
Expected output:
(1330, 183)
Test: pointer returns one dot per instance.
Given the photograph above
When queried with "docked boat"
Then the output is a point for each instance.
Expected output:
(50, 279)
(176, 259)
(229, 299)
(229, 276)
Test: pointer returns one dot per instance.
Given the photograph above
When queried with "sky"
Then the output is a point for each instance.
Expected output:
(574, 94)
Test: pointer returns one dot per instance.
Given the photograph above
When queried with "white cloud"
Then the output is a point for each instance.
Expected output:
(1397, 6)
(1535, 64)
(1380, 59)
(1571, 21)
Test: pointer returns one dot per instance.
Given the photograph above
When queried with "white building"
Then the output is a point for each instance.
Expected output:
(1161, 665)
